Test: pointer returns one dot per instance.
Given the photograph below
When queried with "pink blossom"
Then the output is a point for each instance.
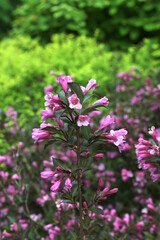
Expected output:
(15, 177)
(14, 227)
(117, 137)
(56, 185)
(105, 122)
(126, 174)
(47, 174)
(83, 120)
(5, 234)
(106, 191)
(100, 184)
(48, 89)
(39, 135)
(90, 86)
(104, 101)
(68, 183)
(64, 80)
(74, 102)
(24, 224)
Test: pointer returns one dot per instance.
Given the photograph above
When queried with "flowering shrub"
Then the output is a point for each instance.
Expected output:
(39, 183)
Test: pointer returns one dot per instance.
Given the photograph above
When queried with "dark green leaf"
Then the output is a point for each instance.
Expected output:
(93, 108)
(67, 201)
(97, 210)
(86, 98)
(51, 129)
(50, 142)
(60, 163)
(76, 89)
(62, 96)
(66, 120)
(86, 131)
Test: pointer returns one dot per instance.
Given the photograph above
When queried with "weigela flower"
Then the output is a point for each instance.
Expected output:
(56, 185)
(74, 102)
(90, 86)
(104, 101)
(83, 120)
(64, 80)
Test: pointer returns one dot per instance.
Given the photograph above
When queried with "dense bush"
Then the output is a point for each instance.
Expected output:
(117, 22)
(30, 210)
(25, 66)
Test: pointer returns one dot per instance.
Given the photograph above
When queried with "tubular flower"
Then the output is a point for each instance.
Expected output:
(83, 120)
(74, 102)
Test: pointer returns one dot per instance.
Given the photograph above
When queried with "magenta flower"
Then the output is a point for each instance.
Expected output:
(105, 122)
(14, 227)
(48, 89)
(126, 174)
(117, 137)
(74, 102)
(64, 80)
(104, 101)
(106, 191)
(83, 120)
(39, 135)
(47, 174)
(56, 185)
(90, 86)
(68, 183)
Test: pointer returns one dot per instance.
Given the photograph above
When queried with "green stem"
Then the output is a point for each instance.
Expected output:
(79, 186)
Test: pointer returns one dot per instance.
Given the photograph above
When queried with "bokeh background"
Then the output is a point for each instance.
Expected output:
(85, 39)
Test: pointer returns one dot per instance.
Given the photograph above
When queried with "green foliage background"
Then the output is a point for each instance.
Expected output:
(25, 66)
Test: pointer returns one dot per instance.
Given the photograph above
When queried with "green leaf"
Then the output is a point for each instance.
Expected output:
(67, 201)
(62, 96)
(66, 120)
(86, 131)
(97, 210)
(76, 89)
(87, 97)
(50, 142)
(59, 114)
(60, 163)
(74, 191)
(93, 108)
(11, 219)
(51, 129)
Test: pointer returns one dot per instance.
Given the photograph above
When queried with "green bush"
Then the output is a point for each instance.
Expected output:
(117, 22)
(25, 67)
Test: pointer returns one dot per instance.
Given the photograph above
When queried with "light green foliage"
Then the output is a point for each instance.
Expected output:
(118, 22)
(25, 66)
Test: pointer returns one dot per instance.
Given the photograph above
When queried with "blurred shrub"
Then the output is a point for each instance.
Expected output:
(118, 22)
(6, 9)
(25, 67)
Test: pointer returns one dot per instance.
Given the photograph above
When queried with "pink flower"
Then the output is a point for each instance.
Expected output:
(24, 224)
(126, 174)
(105, 122)
(39, 135)
(52, 73)
(15, 177)
(117, 137)
(48, 89)
(100, 185)
(64, 80)
(90, 86)
(83, 120)
(104, 101)
(107, 192)
(5, 234)
(14, 227)
(47, 174)
(74, 102)
(56, 185)
(68, 183)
